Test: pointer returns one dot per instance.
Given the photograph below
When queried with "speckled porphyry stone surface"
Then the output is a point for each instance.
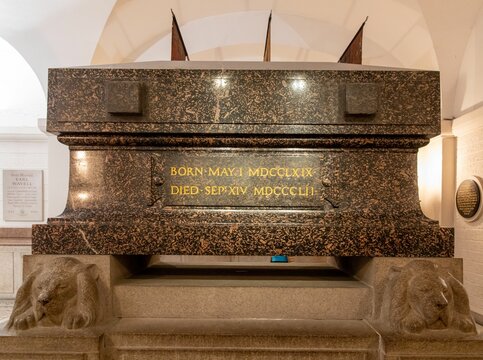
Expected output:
(221, 159)
(244, 98)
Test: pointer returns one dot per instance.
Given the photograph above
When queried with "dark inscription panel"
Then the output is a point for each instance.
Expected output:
(239, 179)
(468, 199)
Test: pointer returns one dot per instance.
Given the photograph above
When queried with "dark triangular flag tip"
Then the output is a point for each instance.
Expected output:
(178, 48)
(267, 53)
(353, 53)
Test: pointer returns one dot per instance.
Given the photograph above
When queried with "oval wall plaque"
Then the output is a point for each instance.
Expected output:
(468, 198)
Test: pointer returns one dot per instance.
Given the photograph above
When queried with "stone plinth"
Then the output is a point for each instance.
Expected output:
(308, 312)
(397, 348)
(50, 344)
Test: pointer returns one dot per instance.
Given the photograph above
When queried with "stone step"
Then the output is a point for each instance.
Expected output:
(323, 293)
(50, 343)
(202, 339)
(207, 261)
(235, 339)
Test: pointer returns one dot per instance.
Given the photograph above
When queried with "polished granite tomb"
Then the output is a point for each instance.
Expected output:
(194, 158)
(185, 178)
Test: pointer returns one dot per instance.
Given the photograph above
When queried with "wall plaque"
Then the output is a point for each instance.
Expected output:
(239, 180)
(468, 198)
(23, 195)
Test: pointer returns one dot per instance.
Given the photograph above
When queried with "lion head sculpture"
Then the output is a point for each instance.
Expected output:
(61, 292)
(423, 296)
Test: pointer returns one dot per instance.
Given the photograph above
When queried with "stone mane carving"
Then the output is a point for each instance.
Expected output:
(422, 296)
(61, 292)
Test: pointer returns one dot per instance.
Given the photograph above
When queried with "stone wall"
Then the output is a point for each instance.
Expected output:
(14, 244)
(469, 235)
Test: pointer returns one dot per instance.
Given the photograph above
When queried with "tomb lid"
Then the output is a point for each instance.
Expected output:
(247, 65)
(254, 98)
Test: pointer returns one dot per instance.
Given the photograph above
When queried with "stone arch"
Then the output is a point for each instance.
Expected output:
(22, 99)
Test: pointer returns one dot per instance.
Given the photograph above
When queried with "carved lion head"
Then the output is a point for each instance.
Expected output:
(62, 291)
(423, 296)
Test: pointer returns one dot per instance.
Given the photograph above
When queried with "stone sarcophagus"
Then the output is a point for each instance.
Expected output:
(243, 159)
(249, 159)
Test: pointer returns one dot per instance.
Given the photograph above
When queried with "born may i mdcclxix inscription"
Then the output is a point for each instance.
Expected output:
(245, 180)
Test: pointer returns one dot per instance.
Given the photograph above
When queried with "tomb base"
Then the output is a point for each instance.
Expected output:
(240, 308)
(247, 235)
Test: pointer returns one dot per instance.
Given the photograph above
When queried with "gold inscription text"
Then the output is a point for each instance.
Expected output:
(186, 171)
(294, 191)
(281, 172)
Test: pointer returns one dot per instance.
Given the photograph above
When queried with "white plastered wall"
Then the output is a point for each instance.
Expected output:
(468, 128)
(469, 235)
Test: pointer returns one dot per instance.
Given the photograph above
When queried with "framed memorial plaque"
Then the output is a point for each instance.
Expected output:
(23, 195)
(468, 198)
